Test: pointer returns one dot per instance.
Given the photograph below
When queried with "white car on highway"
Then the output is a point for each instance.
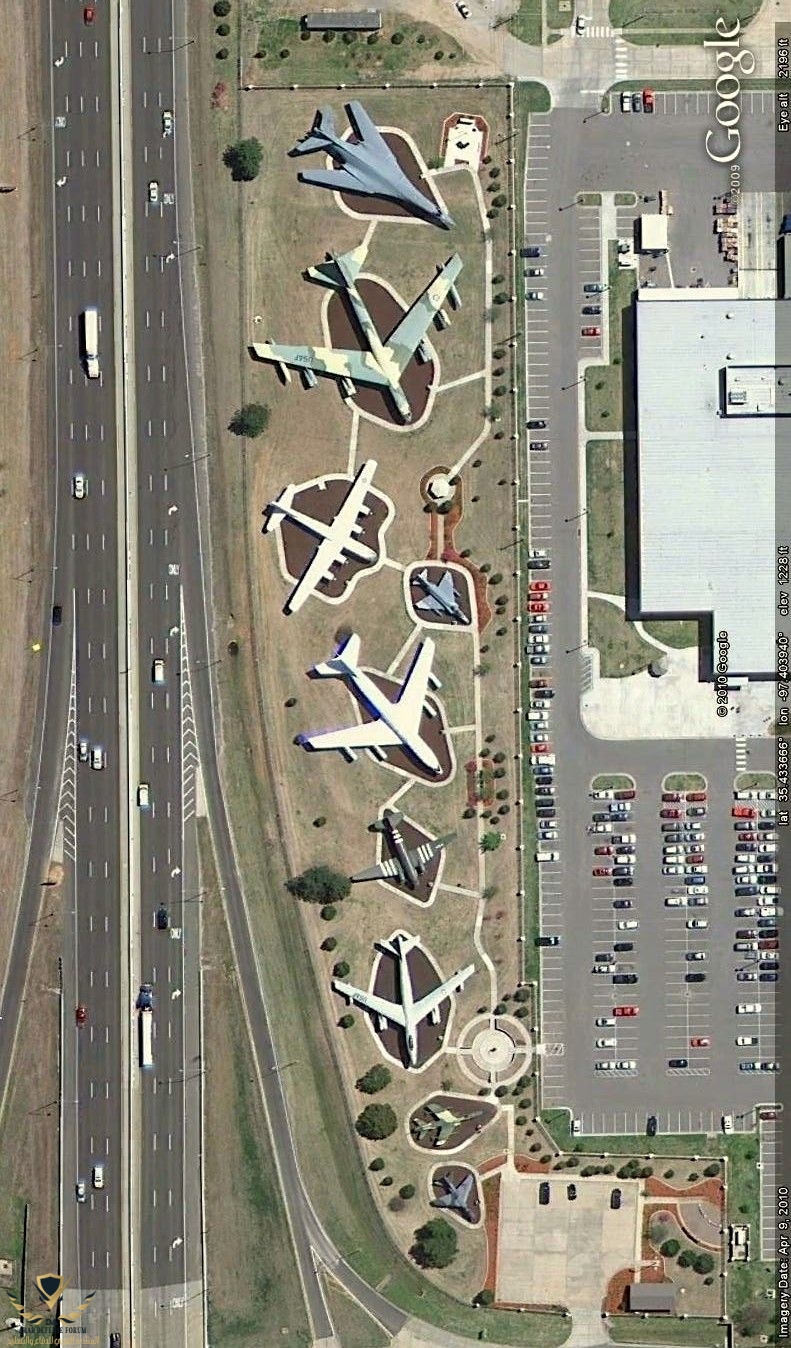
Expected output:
(79, 490)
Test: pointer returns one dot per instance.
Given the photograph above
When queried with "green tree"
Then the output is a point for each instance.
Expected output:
(376, 1078)
(340, 970)
(319, 884)
(223, 29)
(752, 1319)
(376, 1122)
(670, 1249)
(346, 1021)
(244, 158)
(686, 1259)
(436, 1244)
(250, 420)
(407, 1191)
(713, 1169)
(490, 842)
(377, 1164)
(704, 1262)
(329, 912)
(221, 8)
(485, 1297)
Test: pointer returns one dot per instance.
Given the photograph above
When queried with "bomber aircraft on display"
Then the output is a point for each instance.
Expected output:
(443, 1122)
(383, 364)
(442, 597)
(408, 1013)
(368, 167)
(337, 538)
(408, 864)
(395, 723)
(456, 1196)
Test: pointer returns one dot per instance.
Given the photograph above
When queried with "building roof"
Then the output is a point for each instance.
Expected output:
(343, 19)
(708, 479)
(652, 1296)
(653, 233)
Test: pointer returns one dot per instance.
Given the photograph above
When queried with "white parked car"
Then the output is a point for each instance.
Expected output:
(605, 1020)
(607, 1043)
(626, 101)
(627, 1065)
(696, 923)
(631, 924)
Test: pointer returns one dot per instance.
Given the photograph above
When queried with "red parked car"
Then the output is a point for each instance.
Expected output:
(540, 586)
(648, 99)
(602, 851)
(744, 812)
(537, 607)
(700, 1041)
(590, 332)
(671, 795)
(626, 1010)
(602, 870)
(670, 814)
(696, 795)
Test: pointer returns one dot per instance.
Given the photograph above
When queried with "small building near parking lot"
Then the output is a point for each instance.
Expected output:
(653, 1296)
(653, 234)
(713, 458)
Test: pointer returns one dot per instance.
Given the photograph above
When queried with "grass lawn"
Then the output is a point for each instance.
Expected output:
(526, 23)
(684, 781)
(674, 632)
(612, 782)
(603, 398)
(556, 1122)
(675, 16)
(625, 198)
(558, 18)
(588, 199)
(756, 781)
(661, 1329)
(622, 650)
(249, 1298)
(353, 1327)
(604, 500)
(286, 54)
(747, 1284)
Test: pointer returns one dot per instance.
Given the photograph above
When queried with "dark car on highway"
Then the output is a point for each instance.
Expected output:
(57, 615)
(163, 921)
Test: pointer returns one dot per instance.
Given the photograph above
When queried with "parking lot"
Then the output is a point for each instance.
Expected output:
(563, 1252)
(690, 978)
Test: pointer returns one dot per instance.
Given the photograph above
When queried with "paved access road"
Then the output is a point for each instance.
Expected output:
(622, 152)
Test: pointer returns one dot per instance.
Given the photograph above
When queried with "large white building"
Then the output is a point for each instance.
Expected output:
(714, 438)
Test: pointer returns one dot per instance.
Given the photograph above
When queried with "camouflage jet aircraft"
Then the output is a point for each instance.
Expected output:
(383, 364)
(443, 1122)
(365, 166)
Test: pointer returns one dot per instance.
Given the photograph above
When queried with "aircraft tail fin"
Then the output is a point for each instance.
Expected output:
(277, 509)
(322, 130)
(341, 270)
(399, 945)
(347, 655)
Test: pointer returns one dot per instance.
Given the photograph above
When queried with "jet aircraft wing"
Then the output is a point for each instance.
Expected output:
(432, 1000)
(357, 366)
(367, 131)
(409, 333)
(378, 1006)
(341, 179)
(412, 695)
(370, 735)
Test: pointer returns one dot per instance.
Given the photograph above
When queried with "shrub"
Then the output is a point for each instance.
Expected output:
(496, 579)
(704, 1262)
(222, 54)
(485, 1297)
(329, 912)
(377, 1164)
(346, 1021)
(340, 970)
(221, 8)
(501, 1091)
(501, 298)
(319, 884)
(520, 1120)
(397, 39)
(686, 1259)
(284, 53)
(500, 1009)
(406, 1191)
(320, 821)
(329, 943)
(713, 1169)
(250, 421)
(669, 1174)
(376, 1122)
(500, 200)
(349, 38)
(243, 158)
(692, 1176)
(223, 29)
(435, 1244)
(387, 1182)
(670, 1249)
(377, 1077)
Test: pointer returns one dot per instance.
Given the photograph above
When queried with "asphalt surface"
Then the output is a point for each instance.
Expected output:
(86, 561)
(641, 153)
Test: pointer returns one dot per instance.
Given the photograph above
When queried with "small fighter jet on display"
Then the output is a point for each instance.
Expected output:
(408, 864)
(336, 540)
(365, 165)
(443, 1122)
(383, 363)
(408, 1013)
(442, 597)
(395, 723)
(456, 1196)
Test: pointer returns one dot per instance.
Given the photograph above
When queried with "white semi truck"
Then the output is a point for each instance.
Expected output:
(91, 342)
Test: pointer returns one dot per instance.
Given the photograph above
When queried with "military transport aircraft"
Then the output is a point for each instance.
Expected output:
(408, 863)
(408, 1013)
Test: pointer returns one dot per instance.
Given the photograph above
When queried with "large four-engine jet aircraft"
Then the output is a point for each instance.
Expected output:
(407, 1013)
(336, 539)
(395, 723)
(383, 364)
(368, 166)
